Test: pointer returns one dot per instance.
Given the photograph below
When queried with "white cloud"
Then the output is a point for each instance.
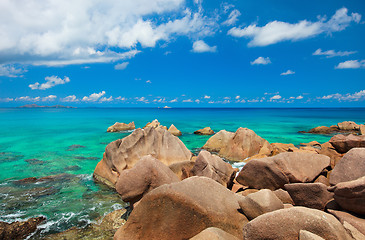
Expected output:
(53, 33)
(120, 98)
(299, 97)
(333, 53)
(148, 81)
(197, 101)
(49, 98)
(71, 98)
(261, 60)
(121, 66)
(275, 97)
(173, 100)
(142, 99)
(237, 97)
(187, 100)
(28, 99)
(206, 97)
(93, 97)
(200, 46)
(9, 70)
(50, 82)
(357, 96)
(289, 72)
(105, 99)
(351, 64)
(277, 31)
(232, 18)
(6, 99)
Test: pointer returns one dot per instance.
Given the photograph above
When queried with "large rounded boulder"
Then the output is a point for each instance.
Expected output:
(274, 172)
(286, 224)
(182, 210)
(343, 143)
(218, 141)
(245, 143)
(125, 153)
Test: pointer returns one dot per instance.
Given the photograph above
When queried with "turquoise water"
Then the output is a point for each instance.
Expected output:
(43, 142)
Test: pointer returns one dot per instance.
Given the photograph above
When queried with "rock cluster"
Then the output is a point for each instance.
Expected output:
(118, 127)
(342, 127)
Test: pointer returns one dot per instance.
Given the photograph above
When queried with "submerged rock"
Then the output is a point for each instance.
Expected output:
(74, 147)
(125, 153)
(204, 131)
(118, 127)
(182, 210)
(34, 161)
(19, 230)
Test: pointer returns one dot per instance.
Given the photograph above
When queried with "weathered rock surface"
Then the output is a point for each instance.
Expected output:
(182, 210)
(125, 153)
(212, 166)
(182, 169)
(245, 143)
(348, 126)
(351, 195)
(282, 147)
(311, 144)
(353, 232)
(343, 143)
(328, 150)
(117, 127)
(214, 233)
(218, 141)
(322, 179)
(286, 224)
(174, 131)
(154, 124)
(275, 172)
(204, 131)
(350, 167)
(305, 235)
(147, 174)
(19, 230)
(284, 196)
(256, 204)
(311, 195)
(356, 221)
(362, 129)
(322, 130)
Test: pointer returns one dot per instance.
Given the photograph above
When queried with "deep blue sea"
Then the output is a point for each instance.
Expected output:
(68, 143)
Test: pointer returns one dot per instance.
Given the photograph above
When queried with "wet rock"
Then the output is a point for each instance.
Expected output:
(275, 172)
(311, 195)
(343, 143)
(214, 233)
(212, 166)
(74, 147)
(19, 230)
(26, 180)
(125, 153)
(204, 131)
(118, 127)
(286, 224)
(350, 167)
(174, 131)
(258, 203)
(245, 143)
(182, 210)
(218, 141)
(147, 174)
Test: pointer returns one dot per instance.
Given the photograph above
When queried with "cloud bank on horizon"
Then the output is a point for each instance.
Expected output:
(120, 41)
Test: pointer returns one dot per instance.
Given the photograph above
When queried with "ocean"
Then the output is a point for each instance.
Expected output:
(68, 143)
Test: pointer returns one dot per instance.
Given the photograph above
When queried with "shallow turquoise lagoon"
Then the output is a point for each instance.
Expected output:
(68, 143)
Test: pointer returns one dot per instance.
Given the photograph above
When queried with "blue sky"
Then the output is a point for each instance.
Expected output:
(143, 53)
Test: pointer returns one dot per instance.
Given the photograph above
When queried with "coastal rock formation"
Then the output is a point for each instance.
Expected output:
(204, 131)
(286, 224)
(348, 126)
(311, 144)
(282, 147)
(19, 230)
(258, 203)
(322, 130)
(274, 172)
(305, 235)
(212, 166)
(214, 233)
(328, 150)
(245, 143)
(125, 153)
(343, 143)
(218, 141)
(174, 131)
(342, 127)
(362, 129)
(311, 195)
(350, 167)
(351, 195)
(117, 127)
(147, 174)
(284, 196)
(357, 222)
(182, 210)
(182, 169)
(154, 124)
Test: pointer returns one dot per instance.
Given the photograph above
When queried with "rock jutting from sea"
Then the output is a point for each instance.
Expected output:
(347, 127)
(175, 195)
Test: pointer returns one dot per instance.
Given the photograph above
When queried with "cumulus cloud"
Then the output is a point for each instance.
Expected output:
(105, 99)
(93, 97)
(357, 96)
(275, 97)
(237, 97)
(50, 82)
(351, 64)
(299, 97)
(173, 100)
(28, 99)
(121, 66)
(187, 100)
(148, 81)
(9, 70)
(206, 97)
(289, 72)
(49, 98)
(333, 53)
(261, 61)
(232, 18)
(71, 98)
(200, 46)
(6, 99)
(52, 33)
(277, 31)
